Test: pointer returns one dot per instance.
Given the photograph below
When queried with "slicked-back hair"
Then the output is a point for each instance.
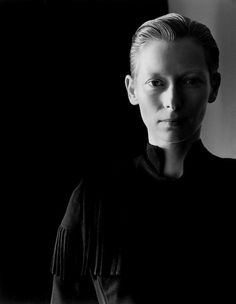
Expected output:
(172, 27)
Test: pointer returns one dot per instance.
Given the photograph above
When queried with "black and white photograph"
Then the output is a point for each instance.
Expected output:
(119, 151)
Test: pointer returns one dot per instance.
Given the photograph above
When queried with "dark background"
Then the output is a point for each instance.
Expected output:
(63, 107)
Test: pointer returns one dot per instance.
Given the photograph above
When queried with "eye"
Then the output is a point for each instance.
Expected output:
(155, 83)
(192, 82)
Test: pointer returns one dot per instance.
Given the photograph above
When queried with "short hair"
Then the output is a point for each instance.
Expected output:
(171, 27)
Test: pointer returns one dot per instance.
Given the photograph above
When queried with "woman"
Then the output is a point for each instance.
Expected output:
(151, 229)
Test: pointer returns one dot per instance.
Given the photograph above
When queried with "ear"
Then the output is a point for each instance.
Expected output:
(215, 84)
(130, 87)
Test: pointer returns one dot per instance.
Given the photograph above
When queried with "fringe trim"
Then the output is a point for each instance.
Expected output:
(67, 261)
(60, 254)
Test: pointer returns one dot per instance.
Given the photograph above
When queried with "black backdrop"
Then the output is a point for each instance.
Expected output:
(64, 106)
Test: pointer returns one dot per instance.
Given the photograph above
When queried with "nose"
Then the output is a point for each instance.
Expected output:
(171, 98)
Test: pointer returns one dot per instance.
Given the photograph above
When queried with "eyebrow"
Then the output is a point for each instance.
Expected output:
(153, 74)
(197, 71)
(193, 71)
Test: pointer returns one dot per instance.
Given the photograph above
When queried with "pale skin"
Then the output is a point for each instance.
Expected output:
(172, 87)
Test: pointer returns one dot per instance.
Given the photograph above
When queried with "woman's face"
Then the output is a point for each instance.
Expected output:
(172, 88)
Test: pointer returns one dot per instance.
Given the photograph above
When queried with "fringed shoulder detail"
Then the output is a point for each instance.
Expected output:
(68, 257)
(88, 239)
(60, 253)
(72, 241)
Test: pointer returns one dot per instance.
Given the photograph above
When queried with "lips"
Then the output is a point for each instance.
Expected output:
(172, 120)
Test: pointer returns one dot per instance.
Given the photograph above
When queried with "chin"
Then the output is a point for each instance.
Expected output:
(161, 138)
(174, 140)
(179, 138)
(167, 138)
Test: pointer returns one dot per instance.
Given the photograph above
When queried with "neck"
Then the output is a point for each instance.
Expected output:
(174, 155)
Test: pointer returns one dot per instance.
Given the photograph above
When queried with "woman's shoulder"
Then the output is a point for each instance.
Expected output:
(96, 186)
(224, 164)
(227, 169)
(220, 171)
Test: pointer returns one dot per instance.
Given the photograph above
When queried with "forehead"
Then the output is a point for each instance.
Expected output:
(171, 57)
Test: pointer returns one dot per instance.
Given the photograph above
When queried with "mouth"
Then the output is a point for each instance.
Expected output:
(172, 121)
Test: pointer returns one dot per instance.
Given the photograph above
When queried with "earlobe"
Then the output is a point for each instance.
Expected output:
(215, 84)
(130, 87)
(212, 97)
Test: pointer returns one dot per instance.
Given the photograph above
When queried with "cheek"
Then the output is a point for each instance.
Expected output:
(148, 110)
(148, 102)
(202, 113)
(144, 113)
(198, 112)
(196, 103)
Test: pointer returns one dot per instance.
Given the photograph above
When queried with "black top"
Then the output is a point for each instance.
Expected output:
(131, 235)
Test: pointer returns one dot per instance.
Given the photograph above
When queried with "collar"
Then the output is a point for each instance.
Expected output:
(153, 160)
